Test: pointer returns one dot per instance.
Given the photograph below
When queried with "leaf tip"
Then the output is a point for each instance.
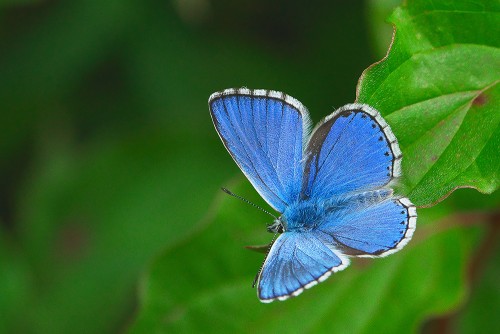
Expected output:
(359, 88)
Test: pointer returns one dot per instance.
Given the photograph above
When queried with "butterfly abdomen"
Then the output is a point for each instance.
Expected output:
(304, 216)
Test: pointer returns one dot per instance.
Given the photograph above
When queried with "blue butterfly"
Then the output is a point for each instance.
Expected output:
(332, 186)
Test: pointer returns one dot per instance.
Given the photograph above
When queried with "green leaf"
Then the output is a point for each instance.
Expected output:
(197, 286)
(439, 89)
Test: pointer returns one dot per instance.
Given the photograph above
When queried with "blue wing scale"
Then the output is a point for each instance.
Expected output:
(352, 150)
(369, 228)
(264, 133)
(297, 261)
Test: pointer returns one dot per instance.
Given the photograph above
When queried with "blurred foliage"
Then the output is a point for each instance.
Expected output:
(110, 170)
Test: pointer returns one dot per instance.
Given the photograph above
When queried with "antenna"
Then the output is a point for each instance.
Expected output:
(227, 191)
(262, 265)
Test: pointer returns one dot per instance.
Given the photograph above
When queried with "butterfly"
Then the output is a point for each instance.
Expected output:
(331, 185)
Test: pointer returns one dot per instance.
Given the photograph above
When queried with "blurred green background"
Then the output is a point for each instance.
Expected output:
(108, 156)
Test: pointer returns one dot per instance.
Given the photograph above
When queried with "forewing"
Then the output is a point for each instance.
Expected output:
(369, 225)
(353, 150)
(264, 131)
(297, 261)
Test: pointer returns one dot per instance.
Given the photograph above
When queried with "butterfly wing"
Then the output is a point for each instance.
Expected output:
(263, 131)
(352, 150)
(297, 261)
(369, 224)
(351, 158)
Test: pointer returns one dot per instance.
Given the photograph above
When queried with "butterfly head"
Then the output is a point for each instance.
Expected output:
(278, 226)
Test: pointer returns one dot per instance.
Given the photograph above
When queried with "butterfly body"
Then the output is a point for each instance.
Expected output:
(303, 216)
(333, 186)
